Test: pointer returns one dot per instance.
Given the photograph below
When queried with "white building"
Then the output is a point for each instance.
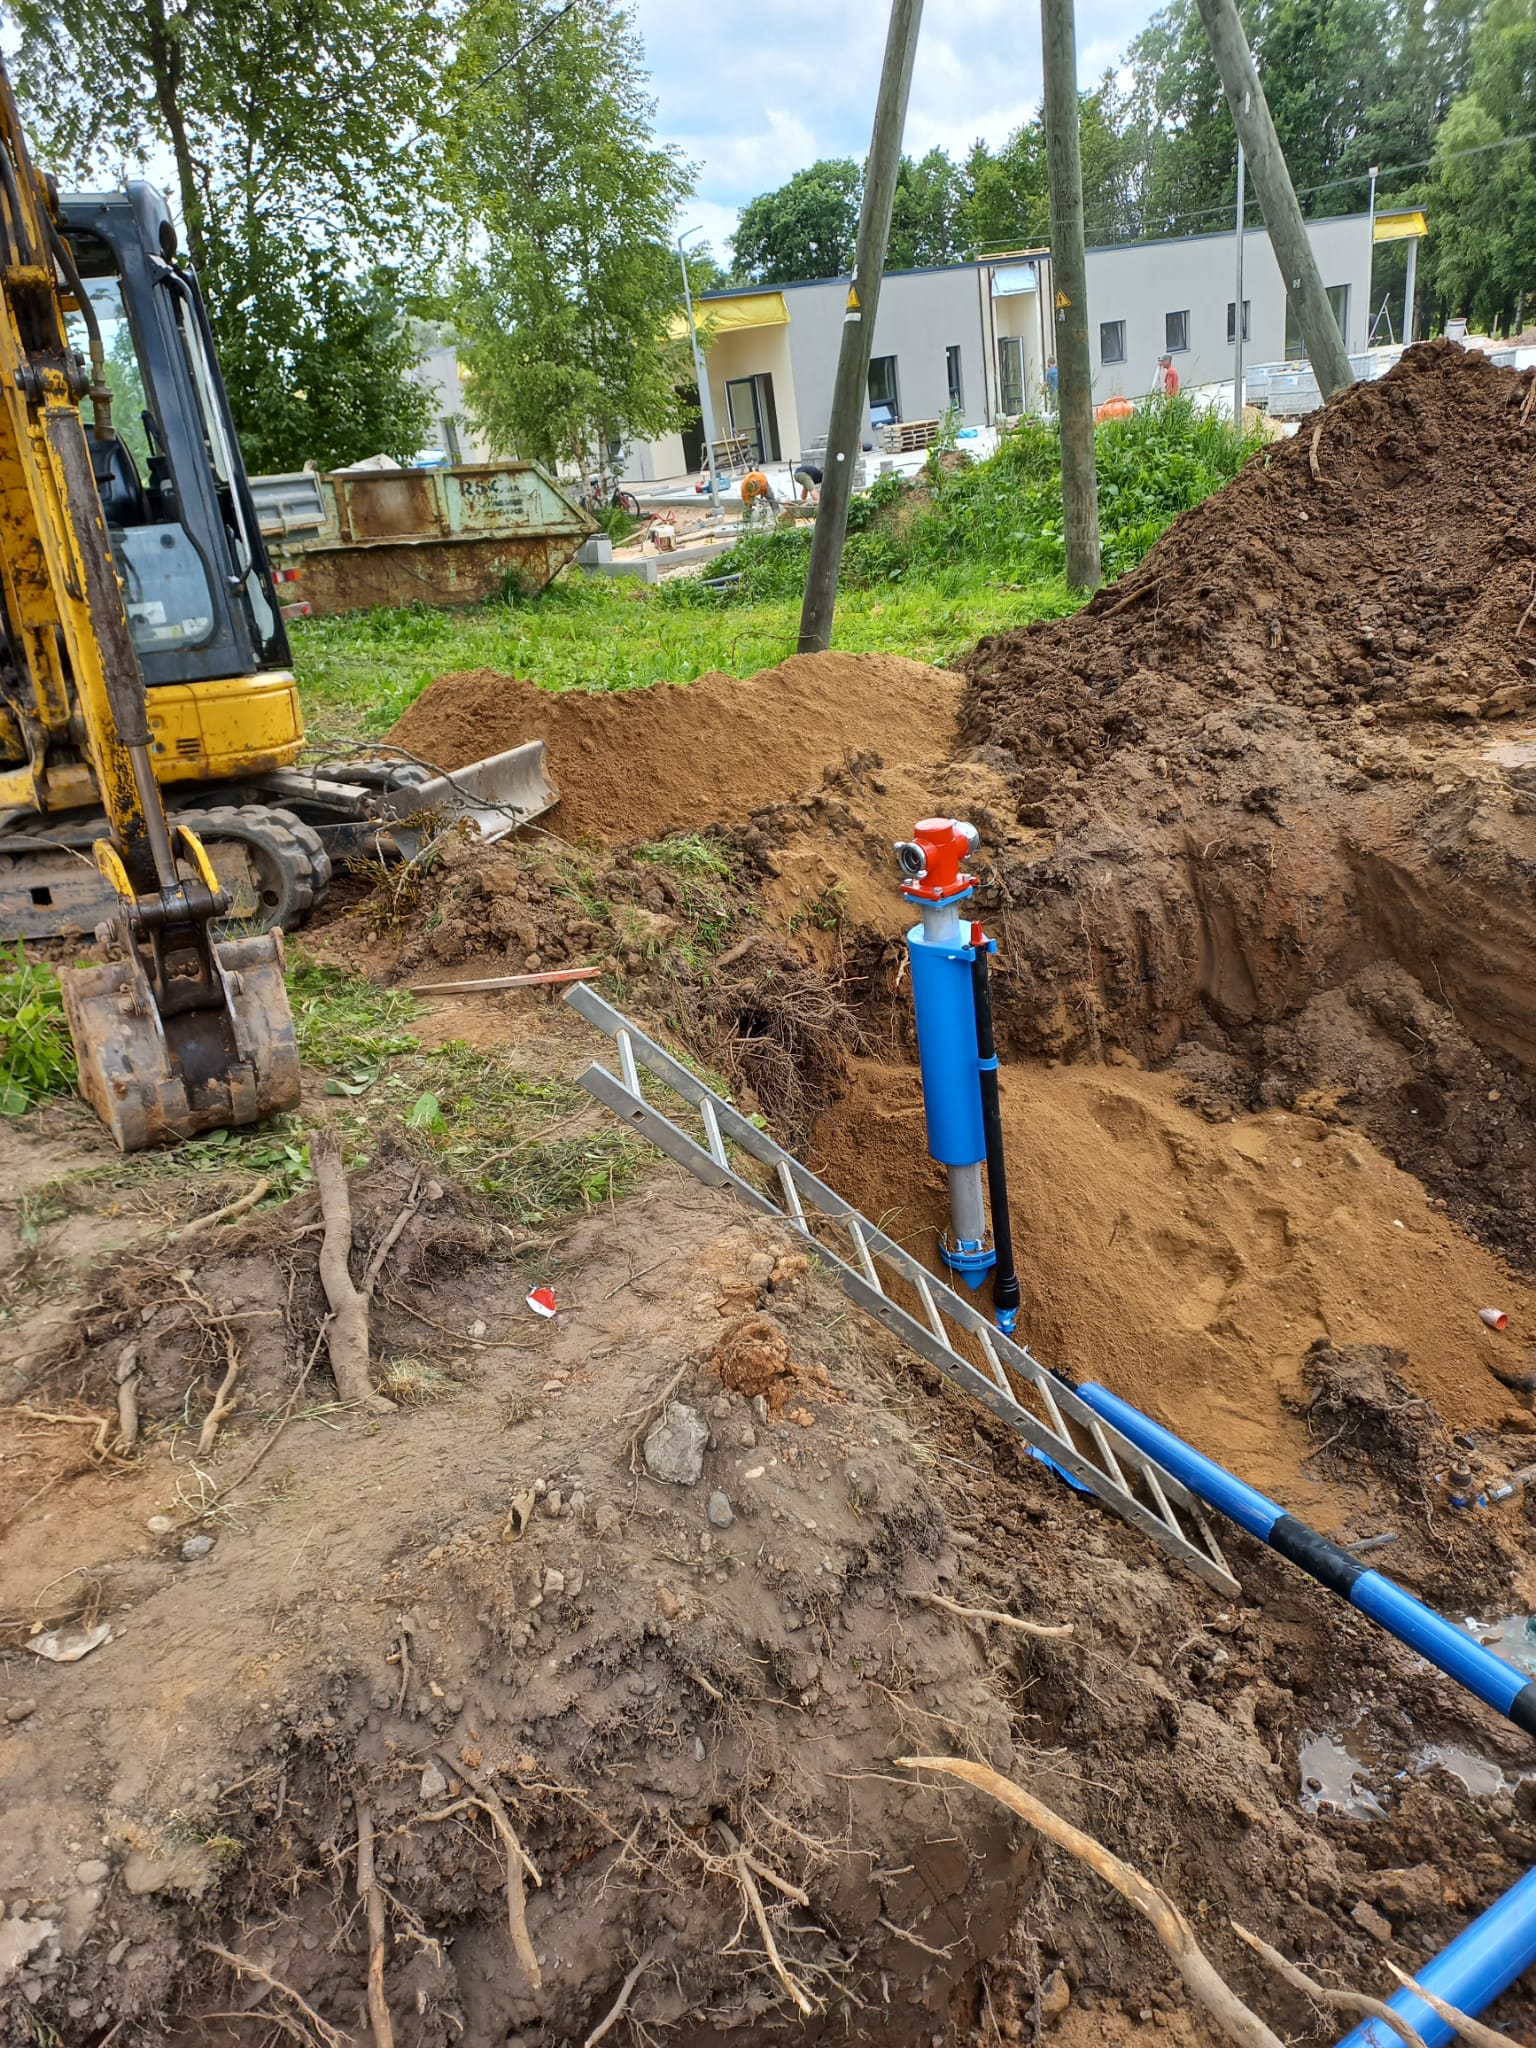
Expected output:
(976, 337)
(451, 429)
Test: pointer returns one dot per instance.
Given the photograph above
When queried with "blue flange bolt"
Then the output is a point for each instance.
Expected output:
(951, 995)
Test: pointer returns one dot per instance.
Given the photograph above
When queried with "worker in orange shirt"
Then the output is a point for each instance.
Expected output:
(1167, 378)
(756, 490)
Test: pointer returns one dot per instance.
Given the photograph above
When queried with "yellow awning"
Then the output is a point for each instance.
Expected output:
(1401, 227)
(726, 316)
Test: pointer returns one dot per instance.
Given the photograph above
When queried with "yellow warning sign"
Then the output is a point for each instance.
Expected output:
(1062, 302)
(853, 298)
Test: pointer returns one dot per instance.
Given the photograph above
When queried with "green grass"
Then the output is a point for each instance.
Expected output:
(358, 674)
(346, 1024)
(475, 1115)
(36, 1057)
(1001, 518)
(926, 573)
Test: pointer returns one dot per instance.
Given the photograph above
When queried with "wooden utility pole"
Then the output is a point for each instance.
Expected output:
(850, 392)
(1277, 196)
(1069, 280)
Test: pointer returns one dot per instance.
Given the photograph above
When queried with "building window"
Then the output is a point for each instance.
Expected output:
(952, 371)
(884, 400)
(1338, 298)
(1175, 332)
(1232, 320)
(1111, 341)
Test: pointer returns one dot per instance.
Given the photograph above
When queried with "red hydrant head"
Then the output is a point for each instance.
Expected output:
(930, 860)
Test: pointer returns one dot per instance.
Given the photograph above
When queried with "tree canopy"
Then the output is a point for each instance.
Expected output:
(290, 128)
(807, 227)
(1410, 86)
(1482, 191)
(565, 303)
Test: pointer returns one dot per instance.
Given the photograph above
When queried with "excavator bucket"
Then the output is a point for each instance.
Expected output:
(498, 794)
(155, 1079)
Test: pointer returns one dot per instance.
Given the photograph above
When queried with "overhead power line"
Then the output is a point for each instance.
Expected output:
(1223, 211)
(543, 29)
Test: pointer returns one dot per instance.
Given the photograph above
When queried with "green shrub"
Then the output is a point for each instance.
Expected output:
(36, 1057)
(1004, 514)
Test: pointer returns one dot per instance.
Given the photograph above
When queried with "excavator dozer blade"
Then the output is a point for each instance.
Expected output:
(498, 793)
(154, 1080)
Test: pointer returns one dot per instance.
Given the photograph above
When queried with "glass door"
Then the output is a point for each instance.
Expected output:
(1010, 374)
(754, 417)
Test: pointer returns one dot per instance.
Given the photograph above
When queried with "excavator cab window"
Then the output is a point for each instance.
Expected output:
(183, 526)
(164, 577)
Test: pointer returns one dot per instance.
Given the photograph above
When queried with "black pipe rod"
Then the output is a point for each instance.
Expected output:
(1005, 1281)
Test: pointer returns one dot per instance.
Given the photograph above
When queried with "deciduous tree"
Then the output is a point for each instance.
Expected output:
(1482, 199)
(291, 130)
(805, 228)
(566, 302)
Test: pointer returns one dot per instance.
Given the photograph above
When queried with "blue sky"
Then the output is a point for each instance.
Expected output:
(752, 90)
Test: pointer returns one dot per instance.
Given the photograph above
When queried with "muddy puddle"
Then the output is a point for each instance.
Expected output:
(1355, 1774)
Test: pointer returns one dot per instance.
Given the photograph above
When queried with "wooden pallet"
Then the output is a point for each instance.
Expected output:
(908, 437)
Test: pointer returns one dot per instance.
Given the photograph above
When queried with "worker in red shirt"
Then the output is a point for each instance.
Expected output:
(1167, 379)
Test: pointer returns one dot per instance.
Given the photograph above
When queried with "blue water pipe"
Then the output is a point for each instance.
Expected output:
(1500, 1945)
(1482, 1961)
(951, 1002)
(1457, 1654)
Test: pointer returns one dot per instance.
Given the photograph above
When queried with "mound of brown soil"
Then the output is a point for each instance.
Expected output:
(1191, 1264)
(634, 763)
(1382, 557)
(1266, 823)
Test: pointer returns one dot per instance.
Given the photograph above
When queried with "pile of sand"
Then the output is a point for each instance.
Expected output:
(631, 764)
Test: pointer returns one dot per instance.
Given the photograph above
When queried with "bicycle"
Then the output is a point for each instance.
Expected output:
(592, 499)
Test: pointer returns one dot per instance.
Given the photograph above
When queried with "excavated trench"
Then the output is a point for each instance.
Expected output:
(1257, 851)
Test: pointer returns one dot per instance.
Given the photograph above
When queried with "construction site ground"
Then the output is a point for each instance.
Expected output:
(1258, 831)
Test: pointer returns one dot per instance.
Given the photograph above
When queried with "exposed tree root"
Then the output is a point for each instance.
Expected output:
(329, 2037)
(227, 1214)
(1340, 2001)
(742, 1867)
(615, 2011)
(518, 1863)
(348, 1339)
(373, 1906)
(1236, 2020)
(1028, 1628)
(126, 1375)
(1469, 2029)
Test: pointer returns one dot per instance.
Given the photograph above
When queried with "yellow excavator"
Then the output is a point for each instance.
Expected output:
(150, 730)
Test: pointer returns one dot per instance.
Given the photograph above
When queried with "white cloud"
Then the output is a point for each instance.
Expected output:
(753, 92)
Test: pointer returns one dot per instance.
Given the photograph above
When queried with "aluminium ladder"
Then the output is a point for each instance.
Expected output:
(1036, 1403)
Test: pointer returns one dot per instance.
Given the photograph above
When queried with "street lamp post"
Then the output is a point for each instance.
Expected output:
(1370, 258)
(706, 406)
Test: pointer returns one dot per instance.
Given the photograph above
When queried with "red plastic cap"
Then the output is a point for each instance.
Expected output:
(945, 842)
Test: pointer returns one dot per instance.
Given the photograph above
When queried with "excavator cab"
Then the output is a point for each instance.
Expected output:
(150, 730)
(200, 597)
(176, 1030)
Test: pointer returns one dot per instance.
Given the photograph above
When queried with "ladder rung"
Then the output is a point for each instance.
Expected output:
(1102, 1471)
(712, 1133)
(627, 1067)
(861, 1246)
(931, 1310)
(792, 1197)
